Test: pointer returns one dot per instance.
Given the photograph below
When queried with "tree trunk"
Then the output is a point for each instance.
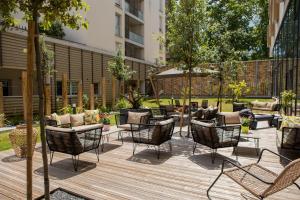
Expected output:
(190, 100)
(40, 79)
(184, 102)
(155, 91)
(29, 113)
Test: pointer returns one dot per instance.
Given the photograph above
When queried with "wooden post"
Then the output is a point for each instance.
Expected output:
(113, 92)
(1, 99)
(92, 97)
(123, 88)
(65, 90)
(103, 92)
(29, 109)
(24, 93)
(79, 95)
(47, 99)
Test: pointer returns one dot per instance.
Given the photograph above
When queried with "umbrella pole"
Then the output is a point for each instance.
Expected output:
(190, 99)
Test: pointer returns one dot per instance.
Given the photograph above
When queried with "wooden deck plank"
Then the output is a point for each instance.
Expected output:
(121, 176)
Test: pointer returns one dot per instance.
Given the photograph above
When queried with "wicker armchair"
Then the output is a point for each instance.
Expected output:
(260, 181)
(124, 121)
(153, 134)
(74, 141)
(215, 137)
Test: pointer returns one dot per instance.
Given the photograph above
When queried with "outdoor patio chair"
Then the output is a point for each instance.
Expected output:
(74, 141)
(177, 103)
(215, 137)
(124, 121)
(260, 181)
(158, 114)
(204, 103)
(153, 135)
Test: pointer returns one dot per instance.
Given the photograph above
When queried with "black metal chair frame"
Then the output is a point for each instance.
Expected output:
(95, 138)
(147, 127)
(297, 135)
(213, 146)
(251, 174)
(143, 120)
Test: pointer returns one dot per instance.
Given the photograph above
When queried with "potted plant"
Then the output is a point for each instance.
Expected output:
(104, 119)
(287, 100)
(245, 125)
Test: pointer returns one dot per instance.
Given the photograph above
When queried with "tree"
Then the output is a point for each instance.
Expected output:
(55, 30)
(118, 68)
(238, 28)
(67, 12)
(186, 35)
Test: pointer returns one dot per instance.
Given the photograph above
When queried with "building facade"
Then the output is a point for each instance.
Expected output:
(132, 25)
(284, 43)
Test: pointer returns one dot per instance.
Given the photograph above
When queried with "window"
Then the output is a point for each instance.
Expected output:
(73, 88)
(161, 5)
(96, 89)
(160, 24)
(118, 25)
(59, 88)
(5, 87)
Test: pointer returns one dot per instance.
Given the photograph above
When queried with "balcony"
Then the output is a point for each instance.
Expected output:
(135, 37)
(118, 3)
(134, 11)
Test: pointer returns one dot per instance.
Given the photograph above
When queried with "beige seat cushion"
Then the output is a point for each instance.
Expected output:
(127, 127)
(65, 119)
(57, 129)
(231, 117)
(87, 127)
(135, 117)
(77, 120)
(202, 123)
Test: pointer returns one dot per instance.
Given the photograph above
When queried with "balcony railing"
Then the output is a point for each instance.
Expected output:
(135, 37)
(118, 3)
(136, 12)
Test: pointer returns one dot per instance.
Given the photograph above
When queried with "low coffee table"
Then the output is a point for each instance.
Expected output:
(261, 117)
(106, 134)
(254, 137)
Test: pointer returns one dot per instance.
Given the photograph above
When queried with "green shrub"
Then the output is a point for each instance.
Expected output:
(122, 103)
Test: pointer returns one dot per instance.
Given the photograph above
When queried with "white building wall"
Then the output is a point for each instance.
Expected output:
(101, 31)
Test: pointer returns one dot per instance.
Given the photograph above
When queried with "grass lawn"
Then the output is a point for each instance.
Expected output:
(5, 142)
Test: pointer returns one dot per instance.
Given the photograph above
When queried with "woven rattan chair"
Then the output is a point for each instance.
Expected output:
(153, 134)
(215, 137)
(260, 181)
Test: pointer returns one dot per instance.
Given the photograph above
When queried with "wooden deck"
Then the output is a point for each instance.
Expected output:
(119, 175)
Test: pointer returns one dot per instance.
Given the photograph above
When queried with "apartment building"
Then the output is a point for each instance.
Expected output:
(83, 55)
(132, 25)
(284, 43)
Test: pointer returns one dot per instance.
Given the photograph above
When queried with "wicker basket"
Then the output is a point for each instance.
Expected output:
(19, 142)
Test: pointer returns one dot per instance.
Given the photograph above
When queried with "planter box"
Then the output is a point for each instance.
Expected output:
(63, 194)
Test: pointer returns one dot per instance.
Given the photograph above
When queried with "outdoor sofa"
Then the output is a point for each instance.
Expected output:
(265, 106)
(288, 134)
(73, 134)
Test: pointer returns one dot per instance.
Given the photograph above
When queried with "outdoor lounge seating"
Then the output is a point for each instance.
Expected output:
(260, 181)
(215, 137)
(124, 121)
(288, 135)
(206, 114)
(265, 106)
(74, 141)
(153, 135)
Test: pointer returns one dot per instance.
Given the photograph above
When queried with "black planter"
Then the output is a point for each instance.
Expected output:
(63, 194)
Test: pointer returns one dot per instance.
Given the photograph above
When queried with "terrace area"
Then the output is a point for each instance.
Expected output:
(120, 175)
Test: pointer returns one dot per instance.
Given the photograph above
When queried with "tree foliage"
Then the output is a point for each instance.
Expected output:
(65, 11)
(238, 29)
(186, 35)
(118, 69)
(55, 30)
